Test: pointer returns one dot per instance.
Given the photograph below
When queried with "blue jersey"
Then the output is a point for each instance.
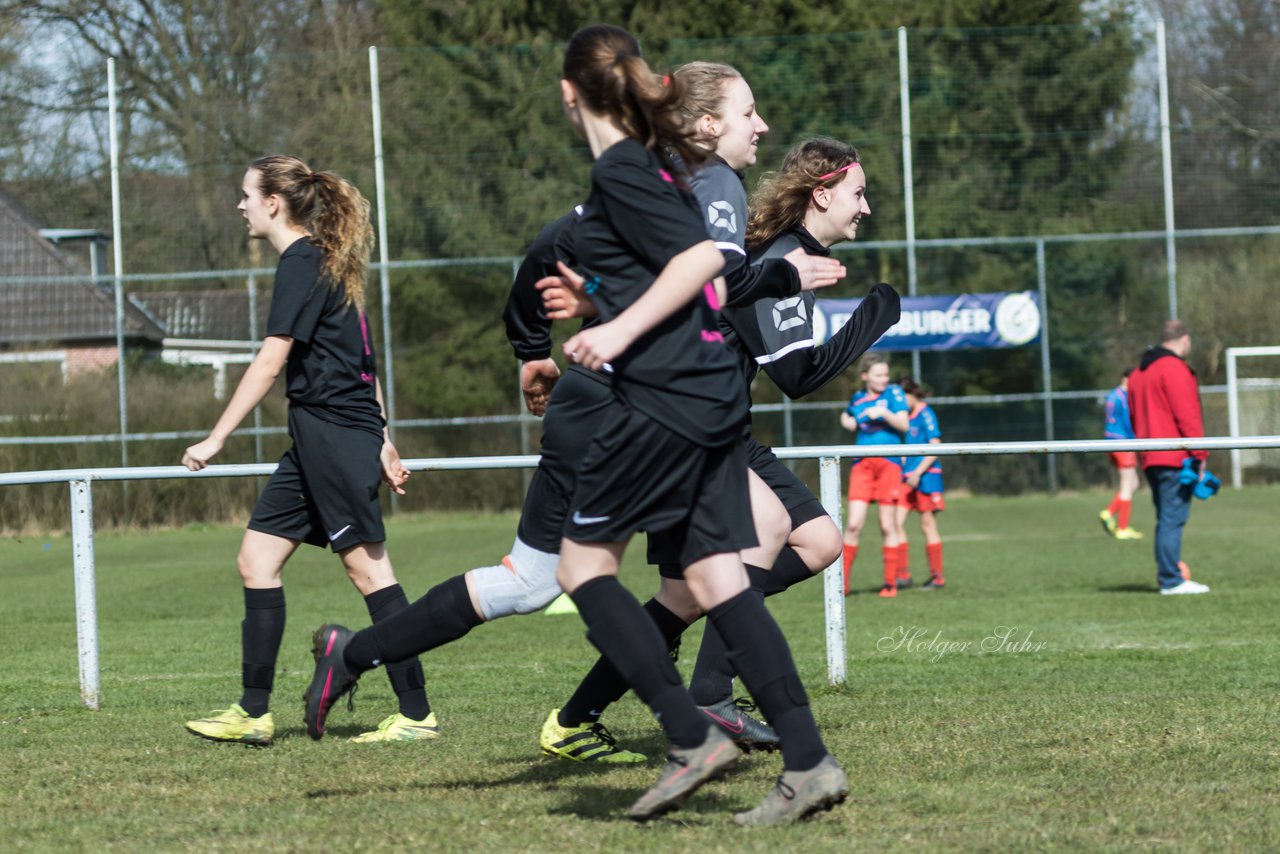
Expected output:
(1119, 424)
(874, 431)
(924, 429)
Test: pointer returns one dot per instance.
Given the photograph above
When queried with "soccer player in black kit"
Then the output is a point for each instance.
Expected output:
(325, 490)
(668, 458)
(820, 187)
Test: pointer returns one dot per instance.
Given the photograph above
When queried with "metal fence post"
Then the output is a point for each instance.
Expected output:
(1166, 159)
(833, 577)
(1046, 372)
(117, 244)
(86, 592)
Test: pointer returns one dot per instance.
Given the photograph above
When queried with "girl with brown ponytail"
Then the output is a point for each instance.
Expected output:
(325, 489)
(669, 456)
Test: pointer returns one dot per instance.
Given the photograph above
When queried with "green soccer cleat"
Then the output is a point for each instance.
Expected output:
(584, 743)
(1128, 534)
(399, 727)
(234, 725)
(1108, 522)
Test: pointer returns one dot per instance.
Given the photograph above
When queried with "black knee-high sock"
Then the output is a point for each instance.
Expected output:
(444, 614)
(760, 654)
(603, 685)
(789, 569)
(712, 679)
(260, 634)
(620, 629)
(406, 676)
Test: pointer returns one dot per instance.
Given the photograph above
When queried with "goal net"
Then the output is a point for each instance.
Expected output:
(1253, 409)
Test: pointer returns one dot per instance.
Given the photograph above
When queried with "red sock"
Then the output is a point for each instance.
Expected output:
(850, 555)
(904, 561)
(933, 551)
(1122, 518)
(1114, 506)
(890, 554)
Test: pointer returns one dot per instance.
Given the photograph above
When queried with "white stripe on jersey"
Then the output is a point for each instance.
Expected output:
(790, 348)
(727, 245)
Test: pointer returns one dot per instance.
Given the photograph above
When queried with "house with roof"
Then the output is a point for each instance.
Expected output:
(50, 307)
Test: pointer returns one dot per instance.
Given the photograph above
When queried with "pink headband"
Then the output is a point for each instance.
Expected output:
(838, 171)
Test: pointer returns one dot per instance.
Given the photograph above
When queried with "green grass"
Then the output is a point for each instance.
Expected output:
(1142, 722)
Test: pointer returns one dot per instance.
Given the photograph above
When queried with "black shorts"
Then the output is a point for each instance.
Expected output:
(639, 476)
(802, 505)
(325, 490)
(575, 411)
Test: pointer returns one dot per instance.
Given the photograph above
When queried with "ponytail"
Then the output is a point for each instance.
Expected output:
(332, 209)
(605, 66)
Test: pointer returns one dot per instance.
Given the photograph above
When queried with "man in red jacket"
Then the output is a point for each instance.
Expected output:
(1164, 398)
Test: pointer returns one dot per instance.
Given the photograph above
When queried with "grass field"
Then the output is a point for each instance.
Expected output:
(1121, 719)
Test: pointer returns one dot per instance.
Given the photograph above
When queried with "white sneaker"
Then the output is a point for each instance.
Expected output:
(1184, 587)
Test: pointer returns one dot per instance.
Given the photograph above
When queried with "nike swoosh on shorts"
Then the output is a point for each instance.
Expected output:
(579, 519)
(340, 532)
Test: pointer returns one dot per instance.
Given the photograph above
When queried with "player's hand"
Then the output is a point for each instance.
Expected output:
(913, 479)
(537, 379)
(565, 296)
(394, 474)
(198, 455)
(848, 422)
(593, 348)
(875, 413)
(814, 271)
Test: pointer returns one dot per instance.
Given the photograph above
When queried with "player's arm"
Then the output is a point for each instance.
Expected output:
(848, 422)
(250, 391)
(679, 282)
(913, 477)
(806, 370)
(394, 474)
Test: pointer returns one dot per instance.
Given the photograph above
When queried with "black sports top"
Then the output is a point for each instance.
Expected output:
(680, 373)
(331, 368)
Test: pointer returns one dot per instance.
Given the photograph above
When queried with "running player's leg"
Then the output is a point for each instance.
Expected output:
(279, 524)
(712, 680)
(369, 568)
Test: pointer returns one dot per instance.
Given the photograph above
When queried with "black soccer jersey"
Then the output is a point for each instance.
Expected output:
(719, 192)
(679, 373)
(776, 335)
(528, 327)
(331, 369)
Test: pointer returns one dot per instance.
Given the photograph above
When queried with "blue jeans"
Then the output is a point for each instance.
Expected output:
(1173, 507)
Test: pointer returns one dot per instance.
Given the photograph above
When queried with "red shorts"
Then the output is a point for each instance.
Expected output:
(923, 502)
(1124, 459)
(877, 479)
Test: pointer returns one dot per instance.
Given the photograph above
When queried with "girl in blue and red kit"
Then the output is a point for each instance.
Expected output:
(923, 479)
(878, 416)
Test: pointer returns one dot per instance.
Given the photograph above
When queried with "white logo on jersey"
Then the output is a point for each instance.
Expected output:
(781, 307)
(722, 215)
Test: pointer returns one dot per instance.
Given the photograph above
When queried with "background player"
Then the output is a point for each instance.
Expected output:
(1115, 518)
(325, 489)
(877, 415)
(923, 477)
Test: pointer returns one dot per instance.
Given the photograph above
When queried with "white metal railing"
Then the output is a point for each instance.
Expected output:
(829, 457)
